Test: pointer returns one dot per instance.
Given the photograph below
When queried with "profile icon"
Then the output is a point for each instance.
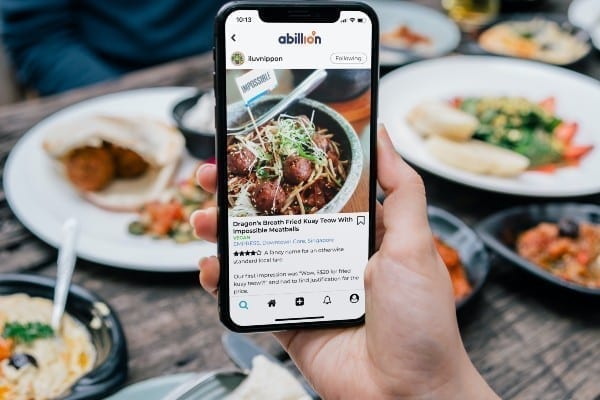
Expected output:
(237, 58)
(354, 298)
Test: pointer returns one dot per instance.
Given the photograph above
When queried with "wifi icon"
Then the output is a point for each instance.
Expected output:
(352, 19)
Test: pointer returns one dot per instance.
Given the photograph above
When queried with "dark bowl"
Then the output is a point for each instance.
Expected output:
(110, 371)
(324, 117)
(472, 251)
(199, 144)
(474, 47)
(500, 231)
(340, 84)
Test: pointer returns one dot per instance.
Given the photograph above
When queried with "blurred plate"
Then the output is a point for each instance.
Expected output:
(441, 30)
(577, 97)
(152, 389)
(500, 231)
(214, 385)
(42, 199)
(586, 15)
(463, 239)
(580, 34)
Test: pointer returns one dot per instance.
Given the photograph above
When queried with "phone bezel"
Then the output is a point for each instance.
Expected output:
(221, 154)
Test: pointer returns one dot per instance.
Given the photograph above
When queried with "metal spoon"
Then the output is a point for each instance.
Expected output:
(65, 264)
(305, 87)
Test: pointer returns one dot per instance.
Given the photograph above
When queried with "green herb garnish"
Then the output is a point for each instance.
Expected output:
(27, 332)
(516, 124)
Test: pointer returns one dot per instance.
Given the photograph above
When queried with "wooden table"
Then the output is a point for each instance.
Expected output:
(528, 340)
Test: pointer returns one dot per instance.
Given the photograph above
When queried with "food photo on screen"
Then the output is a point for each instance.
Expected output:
(305, 159)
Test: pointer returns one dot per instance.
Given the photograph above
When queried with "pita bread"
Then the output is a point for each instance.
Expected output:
(478, 157)
(158, 144)
(438, 118)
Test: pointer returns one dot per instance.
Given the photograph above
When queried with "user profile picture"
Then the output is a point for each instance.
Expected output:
(237, 58)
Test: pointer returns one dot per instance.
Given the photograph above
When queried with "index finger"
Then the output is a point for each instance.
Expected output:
(206, 177)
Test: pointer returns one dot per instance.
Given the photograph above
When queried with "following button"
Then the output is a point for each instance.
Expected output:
(348, 58)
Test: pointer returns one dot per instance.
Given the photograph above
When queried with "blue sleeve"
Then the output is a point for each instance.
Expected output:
(45, 49)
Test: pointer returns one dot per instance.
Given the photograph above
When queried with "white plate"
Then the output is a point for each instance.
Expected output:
(577, 98)
(443, 32)
(152, 389)
(42, 199)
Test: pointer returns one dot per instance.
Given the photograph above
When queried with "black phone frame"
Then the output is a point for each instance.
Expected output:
(287, 11)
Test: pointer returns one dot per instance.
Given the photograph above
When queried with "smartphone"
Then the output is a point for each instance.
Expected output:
(296, 90)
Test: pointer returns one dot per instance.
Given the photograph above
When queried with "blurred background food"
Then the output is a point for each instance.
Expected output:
(37, 362)
(537, 37)
(86, 354)
(568, 249)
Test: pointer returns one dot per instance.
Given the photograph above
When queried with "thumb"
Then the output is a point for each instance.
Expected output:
(405, 206)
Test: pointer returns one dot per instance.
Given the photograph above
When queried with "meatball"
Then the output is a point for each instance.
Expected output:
(240, 162)
(268, 197)
(297, 169)
(90, 168)
(129, 164)
(319, 194)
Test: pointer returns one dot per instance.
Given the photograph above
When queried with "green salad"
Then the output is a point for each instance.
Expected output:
(517, 124)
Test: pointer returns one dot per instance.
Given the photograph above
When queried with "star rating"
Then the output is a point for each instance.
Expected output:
(247, 253)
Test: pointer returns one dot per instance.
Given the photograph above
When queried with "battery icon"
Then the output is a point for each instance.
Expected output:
(360, 20)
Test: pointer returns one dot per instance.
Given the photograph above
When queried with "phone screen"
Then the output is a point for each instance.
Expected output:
(298, 177)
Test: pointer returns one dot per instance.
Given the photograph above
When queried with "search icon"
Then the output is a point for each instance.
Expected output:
(243, 304)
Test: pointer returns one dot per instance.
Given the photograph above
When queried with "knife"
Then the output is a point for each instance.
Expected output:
(242, 350)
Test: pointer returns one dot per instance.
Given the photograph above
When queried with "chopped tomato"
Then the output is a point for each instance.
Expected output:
(583, 257)
(456, 102)
(566, 131)
(458, 276)
(549, 105)
(558, 247)
(576, 152)
(163, 215)
(5, 348)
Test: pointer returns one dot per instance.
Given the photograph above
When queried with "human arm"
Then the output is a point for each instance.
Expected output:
(42, 40)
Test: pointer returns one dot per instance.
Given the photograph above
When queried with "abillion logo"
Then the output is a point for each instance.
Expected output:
(300, 38)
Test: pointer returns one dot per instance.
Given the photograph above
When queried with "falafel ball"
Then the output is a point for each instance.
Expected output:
(129, 164)
(90, 168)
(268, 197)
(239, 162)
(297, 169)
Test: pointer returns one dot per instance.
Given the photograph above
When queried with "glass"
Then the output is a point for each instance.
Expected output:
(471, 14)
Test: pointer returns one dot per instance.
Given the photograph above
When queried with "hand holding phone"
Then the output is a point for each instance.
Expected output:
(410, 345)
(295, 106)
